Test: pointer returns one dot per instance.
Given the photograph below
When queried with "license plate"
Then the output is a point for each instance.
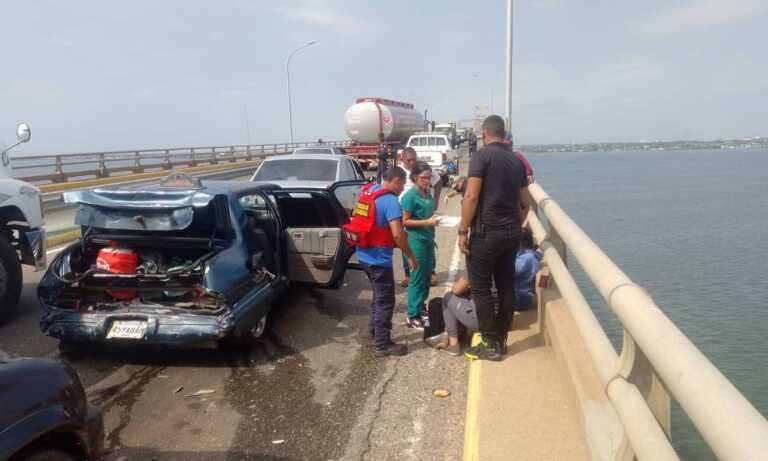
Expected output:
(426, 158)
(130, 329)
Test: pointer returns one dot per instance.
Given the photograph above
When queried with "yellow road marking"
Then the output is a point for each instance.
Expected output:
(471, 429)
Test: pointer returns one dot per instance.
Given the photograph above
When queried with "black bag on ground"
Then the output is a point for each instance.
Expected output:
(435, 323)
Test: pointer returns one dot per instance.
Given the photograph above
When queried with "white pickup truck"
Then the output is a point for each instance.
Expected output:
(435, 149)
(22, 236)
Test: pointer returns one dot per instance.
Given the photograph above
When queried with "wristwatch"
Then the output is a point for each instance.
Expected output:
(463, 232)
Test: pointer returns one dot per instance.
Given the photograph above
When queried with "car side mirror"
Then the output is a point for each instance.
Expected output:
(23, 132)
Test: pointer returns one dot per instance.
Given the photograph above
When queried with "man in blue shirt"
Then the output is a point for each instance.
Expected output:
(527, 265)
(377, 264)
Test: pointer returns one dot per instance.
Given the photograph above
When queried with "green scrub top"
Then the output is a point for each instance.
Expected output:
(420, 208)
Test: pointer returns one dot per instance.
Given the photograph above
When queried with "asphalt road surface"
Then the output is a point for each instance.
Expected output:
(308, 391)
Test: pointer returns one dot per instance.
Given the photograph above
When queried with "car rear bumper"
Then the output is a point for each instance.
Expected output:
(192, 330)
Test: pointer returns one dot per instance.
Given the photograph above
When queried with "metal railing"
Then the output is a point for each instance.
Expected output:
(657, 360)
(55, 168)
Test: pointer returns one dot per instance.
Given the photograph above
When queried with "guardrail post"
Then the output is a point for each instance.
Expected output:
(231, 154)
(635, 367)
(248, 154)
(137, 168)
(59, 171)
(101, 170)
(167, 164)
(192, 159)
(214, 157)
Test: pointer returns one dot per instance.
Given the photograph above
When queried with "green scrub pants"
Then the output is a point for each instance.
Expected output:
(418, 288)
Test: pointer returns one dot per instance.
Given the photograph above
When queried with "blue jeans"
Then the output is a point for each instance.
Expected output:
(383, 303)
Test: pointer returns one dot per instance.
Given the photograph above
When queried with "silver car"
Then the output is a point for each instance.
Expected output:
(308, 170)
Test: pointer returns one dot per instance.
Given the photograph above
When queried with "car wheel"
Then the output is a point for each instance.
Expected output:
(43, 454)
(10, 279)
(71, 351)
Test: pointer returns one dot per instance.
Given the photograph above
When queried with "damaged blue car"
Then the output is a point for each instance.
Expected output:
(190, 263)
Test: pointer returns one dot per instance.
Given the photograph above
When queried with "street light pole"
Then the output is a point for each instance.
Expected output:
(508, 105)
(288, 79)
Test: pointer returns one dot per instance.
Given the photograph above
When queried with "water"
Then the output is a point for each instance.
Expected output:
(692, 228)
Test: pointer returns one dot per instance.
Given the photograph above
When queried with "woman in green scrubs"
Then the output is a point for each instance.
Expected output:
(420, 220)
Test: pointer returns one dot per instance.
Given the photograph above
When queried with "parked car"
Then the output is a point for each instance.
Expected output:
(320, 150)
(435, 149)
(45, 415)
(308, 170)
(190, 262)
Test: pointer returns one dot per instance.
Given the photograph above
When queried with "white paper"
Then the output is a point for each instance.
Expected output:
(450, 221)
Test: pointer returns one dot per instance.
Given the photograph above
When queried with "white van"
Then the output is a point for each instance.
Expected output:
(435, 149)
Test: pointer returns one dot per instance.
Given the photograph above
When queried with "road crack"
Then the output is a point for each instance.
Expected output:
(377, 412)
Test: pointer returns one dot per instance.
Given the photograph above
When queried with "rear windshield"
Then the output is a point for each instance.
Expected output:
(314, 151)
(298, 169)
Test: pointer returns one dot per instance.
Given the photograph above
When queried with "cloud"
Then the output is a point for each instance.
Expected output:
(701, 14)
(326, 14)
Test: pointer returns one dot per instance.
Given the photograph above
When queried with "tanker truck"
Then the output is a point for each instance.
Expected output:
(368, 117)
(22, 236)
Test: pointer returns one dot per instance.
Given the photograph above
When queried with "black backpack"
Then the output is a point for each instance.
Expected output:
(435, 323)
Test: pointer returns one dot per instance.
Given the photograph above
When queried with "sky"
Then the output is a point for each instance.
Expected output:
(96, 75)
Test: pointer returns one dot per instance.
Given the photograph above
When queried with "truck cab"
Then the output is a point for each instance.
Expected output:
(434, 148)
(22, 236)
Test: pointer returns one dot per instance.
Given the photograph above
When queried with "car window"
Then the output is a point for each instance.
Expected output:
(440, 141)
(359, 171)
(415, 141)
(310, 150)
(347, 171)
(297, 169)
(431, 141)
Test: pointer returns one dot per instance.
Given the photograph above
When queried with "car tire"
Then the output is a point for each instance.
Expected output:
(43, 454)
(71, 351)
(10, 279)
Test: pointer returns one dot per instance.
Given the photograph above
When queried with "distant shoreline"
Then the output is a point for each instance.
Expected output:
(724, 144)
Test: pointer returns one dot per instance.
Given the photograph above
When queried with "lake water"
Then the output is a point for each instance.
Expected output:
(692, 228)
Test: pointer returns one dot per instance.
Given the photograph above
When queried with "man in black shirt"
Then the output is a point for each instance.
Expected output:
(491, 210)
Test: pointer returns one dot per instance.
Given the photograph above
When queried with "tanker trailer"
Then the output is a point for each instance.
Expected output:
(370, 116)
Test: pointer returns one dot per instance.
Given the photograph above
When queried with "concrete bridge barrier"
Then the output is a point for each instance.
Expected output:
(625, 398)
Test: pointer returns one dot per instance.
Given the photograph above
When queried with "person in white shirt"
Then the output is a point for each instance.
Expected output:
(408, 161)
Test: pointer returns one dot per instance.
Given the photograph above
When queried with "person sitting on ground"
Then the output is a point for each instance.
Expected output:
(458, 314)
(527, 265)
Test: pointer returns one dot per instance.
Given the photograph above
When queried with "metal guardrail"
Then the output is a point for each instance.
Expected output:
(55, 168)
(656, 356)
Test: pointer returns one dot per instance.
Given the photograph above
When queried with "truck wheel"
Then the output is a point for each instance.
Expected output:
(10, 279)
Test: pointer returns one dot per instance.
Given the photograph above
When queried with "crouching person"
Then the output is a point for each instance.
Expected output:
(375, 229)
(458, 315)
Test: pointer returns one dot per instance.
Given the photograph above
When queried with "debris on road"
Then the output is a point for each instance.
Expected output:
(441, 393)
(178, 389)
(201, 392)
(278, 442)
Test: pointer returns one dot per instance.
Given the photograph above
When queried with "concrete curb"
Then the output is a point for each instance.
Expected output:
(471, 428)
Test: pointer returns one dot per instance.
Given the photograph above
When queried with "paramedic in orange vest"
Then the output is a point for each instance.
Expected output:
(376, 260)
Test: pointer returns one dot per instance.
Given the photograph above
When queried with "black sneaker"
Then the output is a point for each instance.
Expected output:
(486, 350)
(416, 323)
(391, 349)
(503, 344)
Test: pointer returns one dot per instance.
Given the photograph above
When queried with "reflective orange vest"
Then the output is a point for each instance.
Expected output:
(362, 230)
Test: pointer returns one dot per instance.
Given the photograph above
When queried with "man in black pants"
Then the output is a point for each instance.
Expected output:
(491, 210)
